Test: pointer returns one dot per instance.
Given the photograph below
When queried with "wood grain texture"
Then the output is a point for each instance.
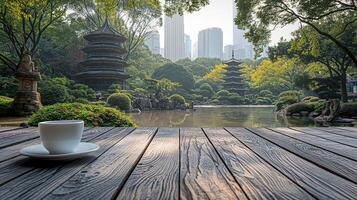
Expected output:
(337, 130)
(317, 181)
(4, 129)
(329, 136)
(258, 179)
(19, 165)
(46, 176)
(342, 166)
(353, 129)
(203, 175)
(17, 136)
(334, 147)
(102, 178)
(157, 174)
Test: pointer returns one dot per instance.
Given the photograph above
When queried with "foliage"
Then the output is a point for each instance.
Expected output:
(261, 16)
(226, 97)
(92, 115)
(316, 48)
(206, 90)
(200, 66)
(8, 86)
(216, 74)
(175, 73)
(60, 90)
(135, 19)
(160, 87)
(277, 76)
(299, 107)
(177, 100)
(120, 101)
(264, 97)
(287, 98)
(97, 103)
(348, 109)
(6, 106)
(24, 22)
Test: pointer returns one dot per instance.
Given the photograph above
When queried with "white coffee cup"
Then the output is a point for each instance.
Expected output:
(60, 137)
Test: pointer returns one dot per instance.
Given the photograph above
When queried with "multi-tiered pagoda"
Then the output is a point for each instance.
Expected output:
(104, 65)
(233, 80)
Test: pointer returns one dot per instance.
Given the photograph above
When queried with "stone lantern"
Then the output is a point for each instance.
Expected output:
(27, 99)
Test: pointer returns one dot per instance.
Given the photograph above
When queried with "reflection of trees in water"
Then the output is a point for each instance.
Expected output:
(295, 121)
(218, 117)
(160, 118)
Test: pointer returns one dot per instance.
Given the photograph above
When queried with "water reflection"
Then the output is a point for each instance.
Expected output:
(218, 117)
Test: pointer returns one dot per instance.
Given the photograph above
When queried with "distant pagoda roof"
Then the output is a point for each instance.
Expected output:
(105, 32)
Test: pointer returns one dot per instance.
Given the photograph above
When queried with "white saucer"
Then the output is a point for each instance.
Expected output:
(40, 152)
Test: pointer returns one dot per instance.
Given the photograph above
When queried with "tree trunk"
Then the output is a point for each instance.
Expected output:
(343, 78)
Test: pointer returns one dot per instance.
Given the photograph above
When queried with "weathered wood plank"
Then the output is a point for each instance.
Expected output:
(317, 181)
(102, 178)
(339, 131)
(9, 128)
(353, 129)
(14, 150)
(46, 176)
(258, 179)
(329, 136)
(17, 166)
(203, 174)
(334, 147)
(157, 174)
(17, 136)
(339, 165)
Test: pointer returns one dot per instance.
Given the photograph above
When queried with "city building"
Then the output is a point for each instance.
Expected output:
(188, 45)
(153, 42)
(162, 52)
(228, 52)
(243, 48)
(210, 43)
(194, 51)
(174, 37)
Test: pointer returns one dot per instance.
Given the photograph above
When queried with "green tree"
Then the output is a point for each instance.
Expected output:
(261, 15)
(24, 23)
(175, 73)
(314, 47)
(160, 87)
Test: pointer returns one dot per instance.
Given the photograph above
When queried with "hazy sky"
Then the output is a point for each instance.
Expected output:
(219, 13)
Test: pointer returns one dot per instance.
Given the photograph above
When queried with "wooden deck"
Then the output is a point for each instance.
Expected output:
(188, 163)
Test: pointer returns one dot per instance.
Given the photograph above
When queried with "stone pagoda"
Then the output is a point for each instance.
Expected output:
(233, 80)
(104, 64)
(27, 99)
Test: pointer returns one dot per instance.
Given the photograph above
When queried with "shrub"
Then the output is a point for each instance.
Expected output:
(318, 105)
(92, 115)
(206, 90)
(54, 93)
(222, 93)
(175, 73)
(287, 98)
(235, 99)
(60, 90)
(120, 101)
(97, 103)
(177, 100)
(5, 106)
(263, 101)
(299, 107)
(215, 101)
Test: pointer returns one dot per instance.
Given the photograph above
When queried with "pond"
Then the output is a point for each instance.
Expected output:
(218, 116)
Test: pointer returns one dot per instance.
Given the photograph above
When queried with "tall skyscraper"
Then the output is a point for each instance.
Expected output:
(188, 45)
(174, 37)
(194, 51)
(210, 43)
(243, 48)
(227, 52)
(153, 42)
